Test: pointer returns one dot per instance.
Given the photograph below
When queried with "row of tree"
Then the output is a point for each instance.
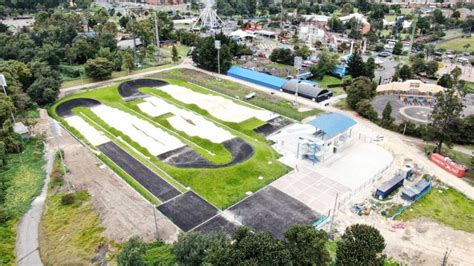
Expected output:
(302, 245)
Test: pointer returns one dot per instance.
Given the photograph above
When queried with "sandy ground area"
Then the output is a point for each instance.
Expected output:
(89, 132)
(217, 106)
(421, 242)
(186, 121)
(123, 212)
(156, 140)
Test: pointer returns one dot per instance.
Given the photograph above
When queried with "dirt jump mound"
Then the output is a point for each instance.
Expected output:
(129, 89)
(64, 109)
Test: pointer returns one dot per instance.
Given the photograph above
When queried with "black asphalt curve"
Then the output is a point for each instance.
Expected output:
(270, 210)
(129, 89)
(185, 157)
(64, 109)
(188, 210)
(272, 126)
(148, 179)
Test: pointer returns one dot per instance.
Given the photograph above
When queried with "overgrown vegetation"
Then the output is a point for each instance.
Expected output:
(20, 183)
(71, 231)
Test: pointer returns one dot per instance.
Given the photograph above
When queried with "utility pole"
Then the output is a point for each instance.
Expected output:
(332, 218)
(55, 131)
(154, 218)
(157, 37)
(281, 15)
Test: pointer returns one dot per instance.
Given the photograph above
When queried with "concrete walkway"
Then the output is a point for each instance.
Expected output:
(27, 242)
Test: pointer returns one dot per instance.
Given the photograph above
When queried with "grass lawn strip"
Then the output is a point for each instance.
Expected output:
(223, 186)
(444, 205)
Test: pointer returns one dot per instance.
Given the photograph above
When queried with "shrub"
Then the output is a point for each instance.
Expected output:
(68, 199)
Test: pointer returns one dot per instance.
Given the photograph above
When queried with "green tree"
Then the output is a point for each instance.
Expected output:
(347, 8)
(192, 248)
(132, 253)
(258, 248)
(431, 68)
(398, 48)
(446, 81)
(307, 245)
(366, 110)
(369, 68)
(360, 89)
(387, 119)
(456, 14)
(174, 54)
(302, 51)
(405, 72)
(326, 62)
(205, 55)
(445, 117)
(355, 65)
(99, 68)
(282, 56)
(127, 60)
(360, 245)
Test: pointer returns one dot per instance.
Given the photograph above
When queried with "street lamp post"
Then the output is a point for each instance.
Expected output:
(217, 45)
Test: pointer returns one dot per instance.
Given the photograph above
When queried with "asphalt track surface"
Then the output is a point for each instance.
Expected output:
(148, 179)
(129, 89)
(65, 108)
(272, 126)
(188, 210)
(217, 224)
(270, 210)
(185, 157)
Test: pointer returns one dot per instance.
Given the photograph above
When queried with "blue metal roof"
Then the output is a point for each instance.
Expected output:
(333, 123)
(256, 77)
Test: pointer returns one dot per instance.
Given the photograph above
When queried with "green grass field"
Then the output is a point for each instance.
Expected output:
(446, 206)
(458, 44)
(221, 186)
(21, 182)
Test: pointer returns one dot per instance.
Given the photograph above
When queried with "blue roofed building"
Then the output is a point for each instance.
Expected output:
(333, 131)
(256, 77)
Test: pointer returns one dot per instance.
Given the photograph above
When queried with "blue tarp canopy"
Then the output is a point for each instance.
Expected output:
(259, 78)
(333, 124)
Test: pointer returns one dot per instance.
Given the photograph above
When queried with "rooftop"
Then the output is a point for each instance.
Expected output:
(333, 124)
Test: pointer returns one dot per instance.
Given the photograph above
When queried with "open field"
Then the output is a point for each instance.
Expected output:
(458, 44)
(220, 186)
(446, 206)
(21, 182)
(237, 90)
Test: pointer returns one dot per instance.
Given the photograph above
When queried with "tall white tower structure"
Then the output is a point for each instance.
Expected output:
(208, 18)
